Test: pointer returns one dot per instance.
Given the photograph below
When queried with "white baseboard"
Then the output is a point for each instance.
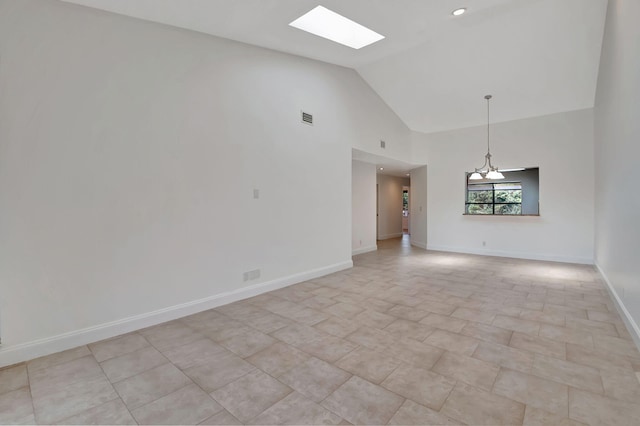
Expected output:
(632, 326)
(516, 255)
(362, 250)
(419, 244)
(30, 350)
(389, 236)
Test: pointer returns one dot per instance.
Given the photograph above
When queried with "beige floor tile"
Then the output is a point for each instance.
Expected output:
(110, 413)
(250, 395)
(150, 385)
(297, 334)
(296, 409)
(361, 402)
(476, 315)
(117, 346)
(592, 326)
(61, 402)
(568, 335)
(372, 338)
(222, 369)
(16, 407)
(57, 358)
(597, 358)
(453, 342)
(329, 348)
(268, 323)
(374, 319)
(407, 313)
(419, 385)
(616, 345)
(621, 384)
(189, 405)
(369, 364)
(410, 329)
(505, 356)
(487, 333)
(444, 322)
(516, 324)
(307, 316)
(278, 358)
(536, 417)
(13, 378)
(532, 390)
(539, 345)
(318, 302)
(193, 353)
(596, 409)
(337, 326)
(131, 364)
(567, 372)
(475, 372)
(60, 375)
(477, 407)
(222, 418)
(438, 307)
(315, 379)
(411, 413)
(543, 317)
(247, 343)
(343, 310)
(415, 353)
(565, 310)
(170, 334)
(378, 305)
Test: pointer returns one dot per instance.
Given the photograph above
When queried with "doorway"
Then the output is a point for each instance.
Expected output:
(405, 210)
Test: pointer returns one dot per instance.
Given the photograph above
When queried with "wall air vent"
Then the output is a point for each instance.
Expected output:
(307, 118)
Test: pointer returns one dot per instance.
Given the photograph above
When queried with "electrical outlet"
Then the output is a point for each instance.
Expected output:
(484, 243)
(383, 144)
(251, 275)
(256, 194)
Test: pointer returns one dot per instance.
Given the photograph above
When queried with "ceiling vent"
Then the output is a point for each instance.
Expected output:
(307, 118)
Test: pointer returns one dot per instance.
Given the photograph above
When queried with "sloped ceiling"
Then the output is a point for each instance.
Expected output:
(535, 57)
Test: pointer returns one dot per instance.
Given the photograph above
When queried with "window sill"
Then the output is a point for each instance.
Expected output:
(501, 215)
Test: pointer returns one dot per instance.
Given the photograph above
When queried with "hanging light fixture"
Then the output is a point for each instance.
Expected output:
(489, 172)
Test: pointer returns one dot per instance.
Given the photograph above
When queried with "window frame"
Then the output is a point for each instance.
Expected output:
(493, 199)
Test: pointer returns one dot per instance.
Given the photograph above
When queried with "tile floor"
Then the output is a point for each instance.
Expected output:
(405, 337)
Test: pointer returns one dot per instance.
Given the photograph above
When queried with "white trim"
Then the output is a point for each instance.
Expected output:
(419, 244)
(516, 255)
(389, 236)
(632, 326)
(362, 250)
(37, 348)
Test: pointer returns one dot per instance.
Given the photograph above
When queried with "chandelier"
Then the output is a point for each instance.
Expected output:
(487, 171)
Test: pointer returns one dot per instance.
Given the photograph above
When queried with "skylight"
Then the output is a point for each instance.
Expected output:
(335, 27)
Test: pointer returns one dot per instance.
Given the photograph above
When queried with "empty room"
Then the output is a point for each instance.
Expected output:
(348, 212)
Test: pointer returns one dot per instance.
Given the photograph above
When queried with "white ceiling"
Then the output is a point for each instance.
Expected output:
(535, 56)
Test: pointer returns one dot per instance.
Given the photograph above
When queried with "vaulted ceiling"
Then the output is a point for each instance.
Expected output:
(535, 57)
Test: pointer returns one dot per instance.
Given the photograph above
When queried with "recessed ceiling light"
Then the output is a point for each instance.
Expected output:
(335, 27)
(459, 12)
(381, 168)
(408, 174)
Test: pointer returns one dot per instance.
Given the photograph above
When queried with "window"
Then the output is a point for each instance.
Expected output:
(405, 202)
(518, 194)
(504, 198)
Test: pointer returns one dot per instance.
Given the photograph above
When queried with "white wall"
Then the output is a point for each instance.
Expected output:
(560, 144)
(363, 207)
(390, 206)
(129, 152)
(418, 207)
(617, 141)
